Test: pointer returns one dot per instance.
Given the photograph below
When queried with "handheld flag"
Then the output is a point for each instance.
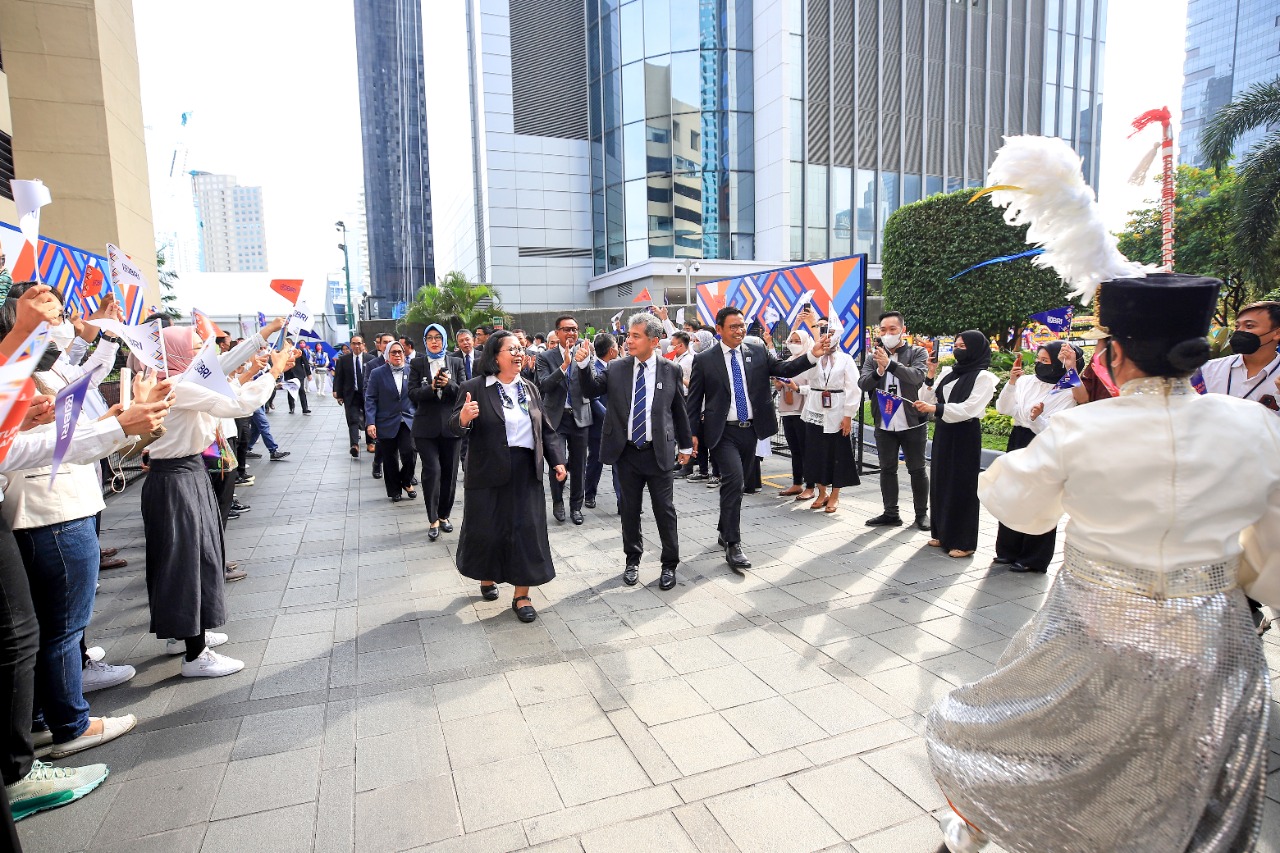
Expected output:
(34, 345)
(206, 372)
(247, 328)
(205, 327)
(17, 390)
(891, 409)
(679, 316)
(66, 410)
(124, 274)
(93, 280)
(262, 319)
(29, 197)
(299, 319)
(1197, 382)
(643, 296)
(145, 340)
(289, 288)
(770, 317)
(805, 299)
(1058, 320)
(1071, 380)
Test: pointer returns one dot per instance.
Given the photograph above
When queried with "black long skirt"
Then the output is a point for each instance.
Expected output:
(953, 483)
(1035, 551)
(828, 458)
(504, 529)
(185, 552)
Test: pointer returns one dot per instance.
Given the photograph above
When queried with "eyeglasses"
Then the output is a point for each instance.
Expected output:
(567, 329)
(436, 338)
(516, 351)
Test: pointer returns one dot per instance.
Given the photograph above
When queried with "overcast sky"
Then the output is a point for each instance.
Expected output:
(271, 88)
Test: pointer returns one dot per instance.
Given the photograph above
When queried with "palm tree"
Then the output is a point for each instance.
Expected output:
(455, 303)
(1258, 215)
(168, 279)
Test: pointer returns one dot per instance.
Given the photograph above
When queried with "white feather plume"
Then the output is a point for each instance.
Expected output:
(1042, 186)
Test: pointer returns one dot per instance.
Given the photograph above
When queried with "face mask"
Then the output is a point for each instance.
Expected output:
(891, 341)
(795, 349)
(1245, 343)
(51, 354)
(1049, 373)
(963, 356)
(62, 334)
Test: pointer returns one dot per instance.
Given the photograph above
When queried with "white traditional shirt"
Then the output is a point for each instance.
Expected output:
(1018, 399)
(838, 373)
(1149, 483)
(984, 388)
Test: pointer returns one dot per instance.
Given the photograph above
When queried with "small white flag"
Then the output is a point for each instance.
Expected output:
(771, 317)
(679, 316)
(146, 341)
(300, 319)
(124, 273)
(206, 372)
(805, 299)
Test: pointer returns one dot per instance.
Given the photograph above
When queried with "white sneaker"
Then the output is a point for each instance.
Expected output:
(100, 676)
(210, 664)
(112, 728)
(212, 639)
(95, 653)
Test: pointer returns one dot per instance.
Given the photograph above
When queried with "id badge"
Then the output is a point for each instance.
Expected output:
(826, 399)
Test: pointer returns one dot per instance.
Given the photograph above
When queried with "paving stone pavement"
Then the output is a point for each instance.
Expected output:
(385, 707)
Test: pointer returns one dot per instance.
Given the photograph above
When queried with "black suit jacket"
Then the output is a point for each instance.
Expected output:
(344, 382)
(488, 459)
(551, 382)
(475, 363)
(370, 364)
(668, 417)
(432, 417)
(710, 394)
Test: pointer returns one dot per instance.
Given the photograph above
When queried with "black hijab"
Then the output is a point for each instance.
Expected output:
(1054, 376)
(970, 361)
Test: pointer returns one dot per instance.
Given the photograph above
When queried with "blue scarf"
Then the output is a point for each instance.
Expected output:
(444, 350)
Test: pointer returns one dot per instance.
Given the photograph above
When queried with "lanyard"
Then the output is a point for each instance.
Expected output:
(1248, 395)
(506, 400)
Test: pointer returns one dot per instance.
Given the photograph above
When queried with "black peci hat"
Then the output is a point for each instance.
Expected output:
(1160, 306)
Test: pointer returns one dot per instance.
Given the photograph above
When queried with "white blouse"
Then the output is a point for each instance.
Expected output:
(1149, 482)
(1018, 399)
(984, 388)
(836, 372)
(192, 423)
(519, 425)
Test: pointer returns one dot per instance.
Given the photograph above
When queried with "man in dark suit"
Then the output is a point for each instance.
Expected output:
(646, 425)
(569, 412)
(389, 413)
(468, 355)
(729, 384)
(348, 389)
(433, 388)
(606, 350)
(380, 344)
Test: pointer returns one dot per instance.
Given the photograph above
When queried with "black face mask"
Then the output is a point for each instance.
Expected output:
(1050, 373)
(1245, 343)
(964, 356)
(49, 357)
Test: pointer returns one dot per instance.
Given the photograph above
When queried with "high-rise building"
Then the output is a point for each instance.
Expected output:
(233, 236)
(745, 134)
(1232, 45)
(393, 118)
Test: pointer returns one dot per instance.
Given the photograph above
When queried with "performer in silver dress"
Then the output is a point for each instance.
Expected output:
(1130, 713)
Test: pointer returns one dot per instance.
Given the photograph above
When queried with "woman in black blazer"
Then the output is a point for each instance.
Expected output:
(433, 388)
(504, 519)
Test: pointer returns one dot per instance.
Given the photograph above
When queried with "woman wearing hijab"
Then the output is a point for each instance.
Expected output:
(433, 389)
(180, 514)
(790, 403)
(831, 402)
(958, 402)
(1032, 402)
(504, 521)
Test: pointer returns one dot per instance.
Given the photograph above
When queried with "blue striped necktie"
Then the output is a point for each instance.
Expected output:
(637, 409)
(739, 387)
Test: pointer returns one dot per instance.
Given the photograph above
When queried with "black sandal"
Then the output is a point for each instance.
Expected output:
(526, 613)
(489, 592)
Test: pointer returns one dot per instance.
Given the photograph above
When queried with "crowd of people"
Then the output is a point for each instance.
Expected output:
(655, 403)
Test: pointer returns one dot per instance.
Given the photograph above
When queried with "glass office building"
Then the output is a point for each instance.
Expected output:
(1232, 45)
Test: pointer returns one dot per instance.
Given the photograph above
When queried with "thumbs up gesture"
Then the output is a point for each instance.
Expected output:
(470, 411)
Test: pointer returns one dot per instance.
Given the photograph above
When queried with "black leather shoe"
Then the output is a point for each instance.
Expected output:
(720, 541)
(735, 558)
(355, 452)
(668, 579)
(395, 499)
(922, 522)
(885, 520)
(433, 533)
(253, 454)
(524, 613)
(1018, 567)
(414, 481)
(1001, 561)
(576, 516)
(489, 592)
(589, 503)
(377, 473)
(557, 510)
(446, 526)
(630, 575)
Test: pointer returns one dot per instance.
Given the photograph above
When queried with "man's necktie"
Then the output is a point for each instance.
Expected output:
(466, 359)
(739, 387)
(637, 409)
(568, 388)
(358, 372)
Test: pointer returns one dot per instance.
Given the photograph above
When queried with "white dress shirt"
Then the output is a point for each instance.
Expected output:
(1148, 482)
(1230, 376)
(984, 388)
(192, 423)
(519, 425)
(1018, 399)
(836, 372)
(727, 350)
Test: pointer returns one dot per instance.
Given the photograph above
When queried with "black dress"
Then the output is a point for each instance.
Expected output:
(504, 518)
(1035, 551)
(828, 458)
(953, 483)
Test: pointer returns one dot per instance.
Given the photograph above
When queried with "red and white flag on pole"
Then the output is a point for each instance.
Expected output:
(289, 288)
(29, 197)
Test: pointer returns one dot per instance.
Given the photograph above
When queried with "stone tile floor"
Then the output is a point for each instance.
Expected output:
(385, 707)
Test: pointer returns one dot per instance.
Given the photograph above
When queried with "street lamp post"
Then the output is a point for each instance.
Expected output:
(346, 267)
(688, 268)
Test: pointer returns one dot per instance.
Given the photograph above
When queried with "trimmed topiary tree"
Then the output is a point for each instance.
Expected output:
(927, 242)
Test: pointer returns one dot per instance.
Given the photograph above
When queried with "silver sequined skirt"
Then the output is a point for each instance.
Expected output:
(1114, 721)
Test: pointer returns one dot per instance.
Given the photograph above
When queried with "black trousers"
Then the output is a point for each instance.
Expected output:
(439, 474)
(733, 455)
(354, 409)
(1031, 550)
(395, 455)
(243, 427)
(224, 488)
(19, 642)
(793, 429)
(575, 442)
(911, 443)
(637, 469)
(703, 459)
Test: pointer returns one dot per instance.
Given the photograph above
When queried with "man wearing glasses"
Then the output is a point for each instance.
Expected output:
(569, 413)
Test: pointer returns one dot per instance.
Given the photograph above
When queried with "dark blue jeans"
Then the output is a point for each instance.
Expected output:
(62, 567)
(262, 427)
